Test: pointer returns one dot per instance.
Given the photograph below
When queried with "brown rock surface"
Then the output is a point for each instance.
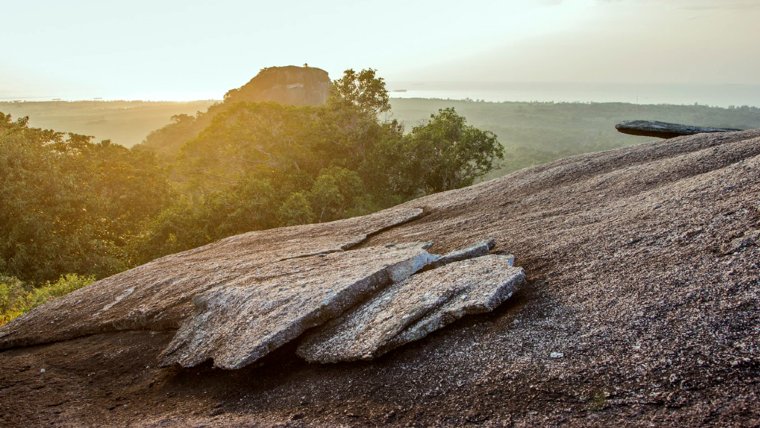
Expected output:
(642, 283)
(290, 85)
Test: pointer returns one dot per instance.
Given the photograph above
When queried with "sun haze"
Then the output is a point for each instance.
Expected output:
(182, 50)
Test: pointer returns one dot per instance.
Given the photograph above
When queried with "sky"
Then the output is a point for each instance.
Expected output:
(189, 49)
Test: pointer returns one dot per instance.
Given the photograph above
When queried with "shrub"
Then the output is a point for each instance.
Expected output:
(18, 298)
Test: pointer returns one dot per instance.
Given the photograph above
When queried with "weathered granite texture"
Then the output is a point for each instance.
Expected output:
(479, 249)
(239, 323)
(643, 265)
(412, 309)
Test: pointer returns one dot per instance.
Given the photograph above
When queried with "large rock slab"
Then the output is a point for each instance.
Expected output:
(411, 309)
(235, 325)
(496, 286)
(157, 295)
(653, 128)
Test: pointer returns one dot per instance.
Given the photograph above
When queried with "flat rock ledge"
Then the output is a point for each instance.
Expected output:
(342, 306)
(158, 295)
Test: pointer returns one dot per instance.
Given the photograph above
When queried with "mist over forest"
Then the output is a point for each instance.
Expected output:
(531, 132)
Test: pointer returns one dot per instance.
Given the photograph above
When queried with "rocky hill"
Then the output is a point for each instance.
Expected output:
(290, 85)
(639, 307)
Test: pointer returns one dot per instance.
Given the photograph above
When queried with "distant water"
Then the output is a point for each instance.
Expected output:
(712, 95)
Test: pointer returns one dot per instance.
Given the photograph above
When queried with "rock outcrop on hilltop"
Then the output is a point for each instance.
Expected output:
(640, 307)
(290, 85)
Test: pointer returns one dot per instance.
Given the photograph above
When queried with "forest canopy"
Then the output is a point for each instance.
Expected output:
(74, 206)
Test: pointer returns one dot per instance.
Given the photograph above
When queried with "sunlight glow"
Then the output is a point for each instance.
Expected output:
(184, 50)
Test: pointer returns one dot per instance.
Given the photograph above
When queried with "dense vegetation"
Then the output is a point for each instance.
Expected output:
(70, 205)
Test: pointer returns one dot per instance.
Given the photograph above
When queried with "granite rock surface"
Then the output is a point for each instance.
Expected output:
(411, 309)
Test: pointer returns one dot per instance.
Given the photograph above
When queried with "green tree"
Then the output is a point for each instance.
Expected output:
(449, 154)
(296, 210)
(70, 205)
(443, 154)
(335, 193)
(364, 91)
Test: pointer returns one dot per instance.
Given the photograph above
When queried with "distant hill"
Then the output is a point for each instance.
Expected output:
(290, 85)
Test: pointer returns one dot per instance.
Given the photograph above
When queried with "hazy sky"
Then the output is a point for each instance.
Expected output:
(187, 49)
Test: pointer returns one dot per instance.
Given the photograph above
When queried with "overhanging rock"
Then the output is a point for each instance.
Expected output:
(352, 305)
(492, 280)
(237, 325)
(653, 128)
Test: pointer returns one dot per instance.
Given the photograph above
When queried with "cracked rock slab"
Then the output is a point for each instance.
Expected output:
(412, 309)
(237, 325)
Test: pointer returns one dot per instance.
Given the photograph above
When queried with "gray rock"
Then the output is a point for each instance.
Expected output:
(236, 325)
(652, 128)
(491, 286)
(750, 238)
(412, 309)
